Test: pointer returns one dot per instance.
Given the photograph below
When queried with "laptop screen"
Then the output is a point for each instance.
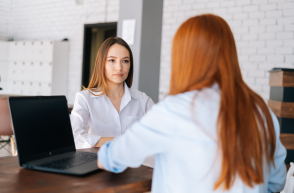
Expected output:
(41, 126)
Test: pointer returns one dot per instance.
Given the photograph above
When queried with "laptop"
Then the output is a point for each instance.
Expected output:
(44, 137)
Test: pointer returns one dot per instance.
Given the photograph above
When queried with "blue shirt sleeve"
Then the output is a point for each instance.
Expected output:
(149, 136)
(278, 173)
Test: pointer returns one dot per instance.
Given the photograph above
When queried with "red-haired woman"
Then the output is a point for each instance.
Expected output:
(108, 106)
(212, 133)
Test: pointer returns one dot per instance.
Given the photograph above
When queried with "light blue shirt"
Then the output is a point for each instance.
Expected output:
(183, 140)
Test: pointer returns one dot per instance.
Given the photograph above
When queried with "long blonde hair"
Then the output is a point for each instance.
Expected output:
(98, 81)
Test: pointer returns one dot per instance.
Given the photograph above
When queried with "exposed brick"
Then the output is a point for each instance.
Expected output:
(288, 12)
(258, 44)
(249, 80)
(257, 29)
(265, 50)
(257, 73)
(241, 30)
(289, 58)
(213, 4)
(235, 9)
(266, 36)
(250, 8)
(266, 66)
(274, 43)
(257, 15)
(219, 10)
(257, 58)
(275, 58)
(249, 66)
(289, 27)
(242, 44)
(199, 6)
(248, 51)
(243, 2)
(286, 20)
(259, 2)
(227, 3)
(285, 35)
(250, 22)
(240, 16)
(249, 36)
(284, 50)
(267, 7)
(237, 23)
(275, 28)
(289, 43)
(268, 21)
(288, 5)
(262, 81)
(273, 14)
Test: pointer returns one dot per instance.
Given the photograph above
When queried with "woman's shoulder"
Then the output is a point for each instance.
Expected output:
(86, 94)
(138, 94)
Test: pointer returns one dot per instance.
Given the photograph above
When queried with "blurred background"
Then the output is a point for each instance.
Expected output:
(38, 37)
(48, 47)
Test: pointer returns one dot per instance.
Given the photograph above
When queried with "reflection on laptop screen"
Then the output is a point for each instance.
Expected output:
(41, 124)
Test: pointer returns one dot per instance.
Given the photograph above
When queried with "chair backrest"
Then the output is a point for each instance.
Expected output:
(5, 123)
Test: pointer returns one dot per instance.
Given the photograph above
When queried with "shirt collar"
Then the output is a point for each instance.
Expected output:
(128, 92)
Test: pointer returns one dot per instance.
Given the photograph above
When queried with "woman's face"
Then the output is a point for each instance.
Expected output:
(117, 64)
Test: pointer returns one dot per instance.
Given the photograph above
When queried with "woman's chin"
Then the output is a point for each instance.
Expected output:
(117, 81)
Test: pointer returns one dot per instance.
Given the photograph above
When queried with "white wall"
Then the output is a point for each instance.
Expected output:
(263, 30)
(4, 18)
(58, 19)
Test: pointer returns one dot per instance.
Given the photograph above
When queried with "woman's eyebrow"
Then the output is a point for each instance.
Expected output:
(111, 57)
(126, 57)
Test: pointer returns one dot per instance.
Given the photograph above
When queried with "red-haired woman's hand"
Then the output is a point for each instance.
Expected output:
(100, 165)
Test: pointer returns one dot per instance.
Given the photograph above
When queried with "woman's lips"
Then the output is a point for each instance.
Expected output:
(118, 75)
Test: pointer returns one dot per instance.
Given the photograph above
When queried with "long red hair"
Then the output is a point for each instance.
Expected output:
(204, 52)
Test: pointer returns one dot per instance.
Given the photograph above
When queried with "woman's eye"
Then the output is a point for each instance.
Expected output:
(112, 60)
(126, 61)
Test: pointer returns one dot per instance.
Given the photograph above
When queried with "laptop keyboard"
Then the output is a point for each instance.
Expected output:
(71, 161)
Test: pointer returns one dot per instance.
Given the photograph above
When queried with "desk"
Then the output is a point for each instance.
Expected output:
(15, 179)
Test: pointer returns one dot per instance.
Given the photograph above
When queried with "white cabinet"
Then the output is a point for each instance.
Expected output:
(33, 67)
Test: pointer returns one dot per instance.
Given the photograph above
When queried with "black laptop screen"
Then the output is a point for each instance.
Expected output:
(41, 125)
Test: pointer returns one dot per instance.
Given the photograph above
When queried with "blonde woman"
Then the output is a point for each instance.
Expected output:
(108, 106)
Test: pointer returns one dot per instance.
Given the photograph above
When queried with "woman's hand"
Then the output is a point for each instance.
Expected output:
(103, 140)
(100, 165)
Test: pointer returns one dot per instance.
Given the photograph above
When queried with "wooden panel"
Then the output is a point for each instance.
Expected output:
(287, 140)
(286, 125)
(282, 109)
(282, 78)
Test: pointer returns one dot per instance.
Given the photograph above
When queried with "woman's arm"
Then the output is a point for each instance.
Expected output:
(103, 140)
(149, 136)
(278, 173)
(80, 124)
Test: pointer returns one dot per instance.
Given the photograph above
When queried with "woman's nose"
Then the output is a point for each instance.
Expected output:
(118, 66)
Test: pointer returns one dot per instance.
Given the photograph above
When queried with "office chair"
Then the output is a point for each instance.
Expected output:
(6, 127)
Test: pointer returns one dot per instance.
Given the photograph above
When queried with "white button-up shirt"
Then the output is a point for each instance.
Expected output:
(185, 147)
(94, 117)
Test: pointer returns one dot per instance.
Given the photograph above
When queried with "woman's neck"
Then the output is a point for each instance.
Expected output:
(115, 90)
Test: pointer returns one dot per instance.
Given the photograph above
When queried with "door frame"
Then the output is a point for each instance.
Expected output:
(87, 48)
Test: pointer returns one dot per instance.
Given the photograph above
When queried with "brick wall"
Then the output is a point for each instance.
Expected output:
(263, 30)
(58, 19)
